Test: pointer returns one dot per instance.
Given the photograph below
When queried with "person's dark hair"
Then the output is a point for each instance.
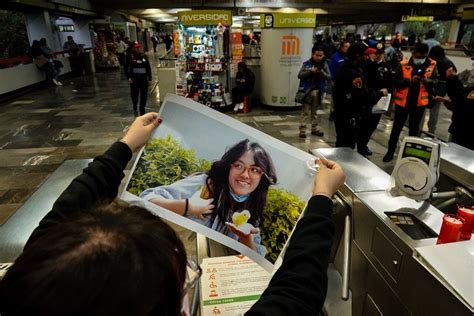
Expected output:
(35, 49)
(437, 52)
(431, 34)
(421, 48)
(242, 65)
(113, 259)
(69, 37)
(218, 181)
(356, 50)
(43, 42)
(316, 48)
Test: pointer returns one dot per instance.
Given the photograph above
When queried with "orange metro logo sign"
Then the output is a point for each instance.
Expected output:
(290, 45)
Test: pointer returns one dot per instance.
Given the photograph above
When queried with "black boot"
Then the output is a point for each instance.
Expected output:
(388, 156)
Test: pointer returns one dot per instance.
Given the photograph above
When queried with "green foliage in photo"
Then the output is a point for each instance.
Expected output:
(280, 215)
(163, 162)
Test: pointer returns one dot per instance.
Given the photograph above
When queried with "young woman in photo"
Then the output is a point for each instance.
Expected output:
(237, 182)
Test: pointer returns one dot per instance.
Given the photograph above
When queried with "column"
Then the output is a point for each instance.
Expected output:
(283, 52)
(453, 32)
(361, 29)
(399, 28)
(38, 25)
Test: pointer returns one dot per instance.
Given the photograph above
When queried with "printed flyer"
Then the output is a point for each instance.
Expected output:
(231, 285)
(222, 178)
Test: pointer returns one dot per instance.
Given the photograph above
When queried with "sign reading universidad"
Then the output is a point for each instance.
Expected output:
(417, 18)
(205, 17)
(288, 20)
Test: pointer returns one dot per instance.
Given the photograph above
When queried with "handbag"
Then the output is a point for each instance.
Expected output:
(58, 64)
(40, 61)
(227, 99)
(300, 96)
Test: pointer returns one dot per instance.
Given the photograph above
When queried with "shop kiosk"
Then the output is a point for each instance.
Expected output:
(202, 49)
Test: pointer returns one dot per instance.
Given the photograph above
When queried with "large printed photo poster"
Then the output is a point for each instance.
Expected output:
(242, 188)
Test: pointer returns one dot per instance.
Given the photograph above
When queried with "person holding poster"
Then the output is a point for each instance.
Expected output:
(229, 198)
(92, 256)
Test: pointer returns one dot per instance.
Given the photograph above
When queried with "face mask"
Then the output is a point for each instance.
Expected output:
(419, 61)
(239, 198)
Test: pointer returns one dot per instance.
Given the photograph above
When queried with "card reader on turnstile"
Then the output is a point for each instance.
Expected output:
(417, 169)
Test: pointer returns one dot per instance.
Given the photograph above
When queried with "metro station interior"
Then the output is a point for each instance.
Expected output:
(75, 74)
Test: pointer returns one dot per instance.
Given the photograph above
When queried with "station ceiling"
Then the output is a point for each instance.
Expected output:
(327, 11)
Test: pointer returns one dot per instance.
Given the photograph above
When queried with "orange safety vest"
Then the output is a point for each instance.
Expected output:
(401, 94)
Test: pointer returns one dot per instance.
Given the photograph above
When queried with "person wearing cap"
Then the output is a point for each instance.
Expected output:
(138, 73)
(414, 82)
(352, 96)
(379, 76)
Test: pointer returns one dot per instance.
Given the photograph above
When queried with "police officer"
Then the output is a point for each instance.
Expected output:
(379, 76)
(414, 81)
(351, 96)
(138, 72)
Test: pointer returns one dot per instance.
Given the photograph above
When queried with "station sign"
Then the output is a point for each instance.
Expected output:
(205, 17)
(467, 15)
(417, 18)
(288, 20)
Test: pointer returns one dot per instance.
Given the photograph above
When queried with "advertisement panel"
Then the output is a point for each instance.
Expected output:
(283, 52)
(288, 20)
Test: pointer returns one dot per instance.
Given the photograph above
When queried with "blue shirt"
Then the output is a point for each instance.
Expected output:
(335, 64)
(431, 42)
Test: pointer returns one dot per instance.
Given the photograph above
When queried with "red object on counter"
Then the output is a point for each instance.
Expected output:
(450, 229)
(468, 215)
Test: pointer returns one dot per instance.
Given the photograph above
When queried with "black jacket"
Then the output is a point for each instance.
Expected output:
(137, 68)
(379, 76)
(245, 81)
(462, 105)
(351, 94)
(297, 288)
(443, 64)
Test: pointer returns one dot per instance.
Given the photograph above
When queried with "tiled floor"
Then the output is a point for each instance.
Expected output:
(40, 130)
